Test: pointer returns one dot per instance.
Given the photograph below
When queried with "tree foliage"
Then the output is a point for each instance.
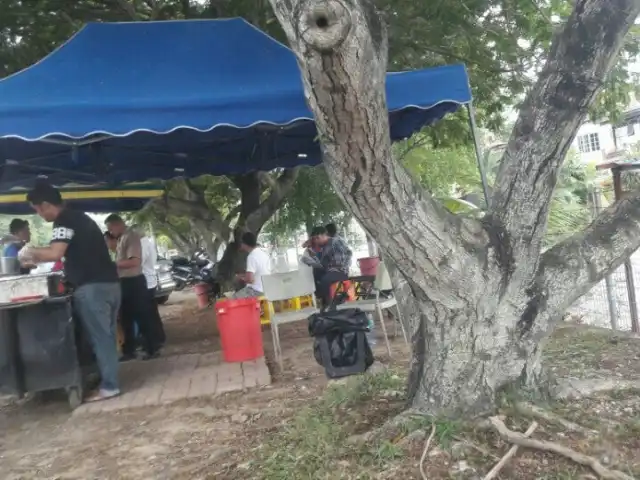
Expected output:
(311, 202)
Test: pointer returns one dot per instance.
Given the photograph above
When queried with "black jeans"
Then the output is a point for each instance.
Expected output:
(324, 280)
(154, 314)
(135, 308)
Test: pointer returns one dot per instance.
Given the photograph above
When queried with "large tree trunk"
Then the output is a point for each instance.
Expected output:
(483, 296)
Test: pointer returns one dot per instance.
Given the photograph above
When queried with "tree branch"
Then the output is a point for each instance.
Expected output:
(572, 267)
(279, 190)
(211, 217)
(128, 8)
(235, 211)
(578, 62)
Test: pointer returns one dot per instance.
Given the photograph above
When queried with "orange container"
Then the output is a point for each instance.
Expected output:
(239, 327)
(368, 266)
(344, 286)
(202, 291)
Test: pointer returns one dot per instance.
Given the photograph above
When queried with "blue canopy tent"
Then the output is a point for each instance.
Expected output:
(129, 102)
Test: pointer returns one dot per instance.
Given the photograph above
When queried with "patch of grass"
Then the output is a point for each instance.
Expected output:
(363, 388)
(583, 350)
(314, 444)
(623, 394)
(446, 429)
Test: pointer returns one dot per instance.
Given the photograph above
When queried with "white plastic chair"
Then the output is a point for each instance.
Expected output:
(283, 286)
(377, 304)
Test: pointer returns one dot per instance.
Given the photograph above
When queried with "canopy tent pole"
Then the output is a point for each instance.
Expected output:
(476, 143)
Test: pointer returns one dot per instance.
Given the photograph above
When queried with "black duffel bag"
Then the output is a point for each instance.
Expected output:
(340, 344)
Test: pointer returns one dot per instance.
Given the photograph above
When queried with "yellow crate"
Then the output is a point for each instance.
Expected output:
(305, 301)
(289, 305)
(265, 311)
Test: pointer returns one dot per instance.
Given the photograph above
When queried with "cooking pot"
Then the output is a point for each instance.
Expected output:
(9, 266)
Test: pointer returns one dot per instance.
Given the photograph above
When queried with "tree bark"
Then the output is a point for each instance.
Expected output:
(484, 297)
(255, 210)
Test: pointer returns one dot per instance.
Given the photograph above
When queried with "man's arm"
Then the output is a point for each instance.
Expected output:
(60, 239)
(54, 252)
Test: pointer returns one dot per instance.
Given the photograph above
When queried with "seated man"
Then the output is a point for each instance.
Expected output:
(332, 229)
(258, 265)
(333, 265)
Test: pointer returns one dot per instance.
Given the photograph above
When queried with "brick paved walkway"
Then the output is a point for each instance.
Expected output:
(172, 378)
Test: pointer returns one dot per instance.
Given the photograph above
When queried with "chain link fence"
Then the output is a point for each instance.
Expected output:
(608, 303)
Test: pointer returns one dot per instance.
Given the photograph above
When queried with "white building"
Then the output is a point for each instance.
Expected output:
(597, 141)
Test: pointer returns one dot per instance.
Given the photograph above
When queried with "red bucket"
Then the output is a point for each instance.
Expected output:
(202, 291)
(240, 330)
(368, 266)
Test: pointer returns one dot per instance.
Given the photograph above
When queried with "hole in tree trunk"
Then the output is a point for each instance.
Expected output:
(322, 22)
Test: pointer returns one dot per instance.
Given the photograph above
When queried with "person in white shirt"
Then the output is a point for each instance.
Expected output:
(258, 265)
(148, 262)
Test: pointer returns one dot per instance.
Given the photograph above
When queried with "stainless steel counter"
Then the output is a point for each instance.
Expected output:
(19, 286)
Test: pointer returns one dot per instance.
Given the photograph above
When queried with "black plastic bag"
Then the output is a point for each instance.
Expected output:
(340, 342)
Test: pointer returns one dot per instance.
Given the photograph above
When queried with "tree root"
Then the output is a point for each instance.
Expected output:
(391, 429)
(509, 455)
(575, 389)
(426, 450)
(538, 413)
(519, 439)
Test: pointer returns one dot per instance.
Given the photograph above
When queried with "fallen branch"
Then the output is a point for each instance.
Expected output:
(538, 413)
(426, 450)
(580, 458)
(509, 455)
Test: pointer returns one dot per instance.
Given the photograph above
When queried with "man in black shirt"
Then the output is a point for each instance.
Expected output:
(89, 269)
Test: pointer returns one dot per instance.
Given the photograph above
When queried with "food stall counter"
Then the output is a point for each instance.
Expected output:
(41, 345)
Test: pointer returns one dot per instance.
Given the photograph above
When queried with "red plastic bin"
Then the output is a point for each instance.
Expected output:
(240, 330)
(369, 266)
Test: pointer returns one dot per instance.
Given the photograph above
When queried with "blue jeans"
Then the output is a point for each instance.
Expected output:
(97, 305)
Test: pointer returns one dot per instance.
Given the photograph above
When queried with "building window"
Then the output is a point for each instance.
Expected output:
(630, 130)
(589, 143)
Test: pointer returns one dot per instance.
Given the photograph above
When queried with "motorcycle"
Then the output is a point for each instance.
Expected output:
(185, 270)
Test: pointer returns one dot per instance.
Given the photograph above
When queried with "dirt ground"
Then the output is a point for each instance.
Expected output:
(297, 428)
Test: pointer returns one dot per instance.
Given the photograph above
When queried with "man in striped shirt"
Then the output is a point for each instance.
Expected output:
(333, 264)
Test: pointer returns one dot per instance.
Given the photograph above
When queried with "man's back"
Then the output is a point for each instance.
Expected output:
(129, 246)
(336, 255)
(87, 257)
(258, 263)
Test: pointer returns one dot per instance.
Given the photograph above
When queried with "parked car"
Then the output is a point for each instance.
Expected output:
(166, 283)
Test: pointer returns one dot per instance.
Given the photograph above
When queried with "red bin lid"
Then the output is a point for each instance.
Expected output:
(237, 302)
